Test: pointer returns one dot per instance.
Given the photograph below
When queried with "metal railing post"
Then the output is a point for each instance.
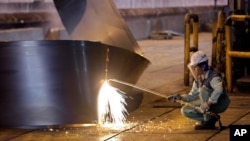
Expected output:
(194, 19)
(218, 49)
(229, 52)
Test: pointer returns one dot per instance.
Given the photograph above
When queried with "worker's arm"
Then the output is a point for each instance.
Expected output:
(217, 85)
(193, 94)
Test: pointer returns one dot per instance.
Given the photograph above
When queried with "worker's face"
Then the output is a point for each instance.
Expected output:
(195, 71)
(198, 70)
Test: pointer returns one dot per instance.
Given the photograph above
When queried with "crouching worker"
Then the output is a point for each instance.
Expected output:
(208, 94)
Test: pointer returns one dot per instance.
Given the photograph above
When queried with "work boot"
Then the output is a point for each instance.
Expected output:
(210, 124)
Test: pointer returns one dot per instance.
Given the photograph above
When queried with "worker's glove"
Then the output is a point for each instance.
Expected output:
(204, 107)
(174, 98)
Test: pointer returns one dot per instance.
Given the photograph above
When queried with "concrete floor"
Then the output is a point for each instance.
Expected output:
(155, 119)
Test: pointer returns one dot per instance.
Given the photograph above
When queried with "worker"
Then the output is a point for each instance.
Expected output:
(208, 94)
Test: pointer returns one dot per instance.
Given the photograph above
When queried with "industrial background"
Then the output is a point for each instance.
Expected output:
(55, 56)
(142, 16)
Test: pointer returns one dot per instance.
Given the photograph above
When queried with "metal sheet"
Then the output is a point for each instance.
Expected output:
(96, 20)
(52, 83)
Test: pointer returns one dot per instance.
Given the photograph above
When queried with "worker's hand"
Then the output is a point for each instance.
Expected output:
(174, 98)
(204, 107)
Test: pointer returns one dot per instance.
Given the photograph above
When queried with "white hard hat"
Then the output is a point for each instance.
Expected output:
(197, 58)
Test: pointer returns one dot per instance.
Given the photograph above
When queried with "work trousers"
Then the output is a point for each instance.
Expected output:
(204, 94)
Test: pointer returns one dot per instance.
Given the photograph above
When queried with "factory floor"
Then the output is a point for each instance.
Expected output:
(155, 119)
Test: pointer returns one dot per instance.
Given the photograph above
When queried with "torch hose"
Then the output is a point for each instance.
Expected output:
(152, 92)
(138, 87)
(149, 91)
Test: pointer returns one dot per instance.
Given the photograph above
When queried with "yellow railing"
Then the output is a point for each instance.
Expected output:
(194, 20)
(229, 52)
(218, 50)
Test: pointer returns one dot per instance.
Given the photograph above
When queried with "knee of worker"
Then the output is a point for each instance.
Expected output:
(185, 111)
